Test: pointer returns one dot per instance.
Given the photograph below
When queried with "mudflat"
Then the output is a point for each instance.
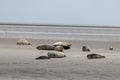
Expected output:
(17, 62)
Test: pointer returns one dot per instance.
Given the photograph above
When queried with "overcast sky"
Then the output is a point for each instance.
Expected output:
(80, 12)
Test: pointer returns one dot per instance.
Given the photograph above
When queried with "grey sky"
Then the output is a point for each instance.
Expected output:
(80, 12)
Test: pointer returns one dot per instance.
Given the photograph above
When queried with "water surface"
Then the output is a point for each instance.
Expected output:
(55, 32)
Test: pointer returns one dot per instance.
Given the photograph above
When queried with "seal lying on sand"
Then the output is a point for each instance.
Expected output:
(23, 42)
(45, 47)
(85, 49)
(59, 48)
(42, 57)
(111, 48)
(94, 56)
(49, 47)
(64, 44)
(55, 54)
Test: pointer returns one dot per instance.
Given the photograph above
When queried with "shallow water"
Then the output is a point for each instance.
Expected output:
(52, 32)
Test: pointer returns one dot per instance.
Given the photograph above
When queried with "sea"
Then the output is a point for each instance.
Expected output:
(60, 32)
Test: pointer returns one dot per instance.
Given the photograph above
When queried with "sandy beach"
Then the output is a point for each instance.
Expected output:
(59, 40)
(17, 62)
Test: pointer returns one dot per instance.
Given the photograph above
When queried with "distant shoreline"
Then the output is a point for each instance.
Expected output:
(58, 25)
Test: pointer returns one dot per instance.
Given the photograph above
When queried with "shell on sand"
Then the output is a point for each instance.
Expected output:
(64, 44)
(23, 42)
(56, 54)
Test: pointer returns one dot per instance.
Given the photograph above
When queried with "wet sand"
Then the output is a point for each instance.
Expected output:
(17, 62)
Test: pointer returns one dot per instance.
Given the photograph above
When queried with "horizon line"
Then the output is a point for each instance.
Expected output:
(58, 25)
